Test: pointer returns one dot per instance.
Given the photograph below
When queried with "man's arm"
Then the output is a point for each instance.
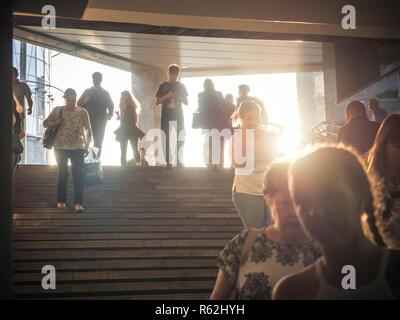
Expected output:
(185, 100)
(160, 100)
(30, 104)
(110, 107)
(184, 95)
(28, 95)
(81, 101)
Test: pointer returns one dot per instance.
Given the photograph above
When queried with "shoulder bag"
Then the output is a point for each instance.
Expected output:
(50, 134)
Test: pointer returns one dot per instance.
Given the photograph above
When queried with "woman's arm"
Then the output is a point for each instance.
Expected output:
(234, 163)
(87, 128)
(53, 119)
(223, 287)
(122, 108)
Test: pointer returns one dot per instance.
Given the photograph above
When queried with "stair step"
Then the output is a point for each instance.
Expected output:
(147, 233)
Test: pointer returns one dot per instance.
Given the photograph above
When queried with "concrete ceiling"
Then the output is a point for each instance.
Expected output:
(208, 37)
(196, 55)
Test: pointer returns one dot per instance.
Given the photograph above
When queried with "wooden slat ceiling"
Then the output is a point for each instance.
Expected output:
(199, 55)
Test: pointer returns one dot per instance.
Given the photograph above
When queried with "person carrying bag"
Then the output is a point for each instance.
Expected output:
(50, 134)
(92, 169)
(70, 134)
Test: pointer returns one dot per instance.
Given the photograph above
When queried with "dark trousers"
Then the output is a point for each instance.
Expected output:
(166, 141)
(98, 130)
(124, 145)
(76, 157)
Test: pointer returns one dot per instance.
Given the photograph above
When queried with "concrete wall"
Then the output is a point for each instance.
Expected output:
(144, 86)
(386, 90)
(311, 99)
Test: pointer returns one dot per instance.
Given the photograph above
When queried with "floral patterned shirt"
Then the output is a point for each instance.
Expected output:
(266, 264)
(75, 132)
(391, 219)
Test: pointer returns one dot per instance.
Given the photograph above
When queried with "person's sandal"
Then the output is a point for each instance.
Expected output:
(78, 208)
(61, 205)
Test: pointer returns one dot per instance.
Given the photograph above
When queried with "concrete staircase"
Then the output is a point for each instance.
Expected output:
(147, 233)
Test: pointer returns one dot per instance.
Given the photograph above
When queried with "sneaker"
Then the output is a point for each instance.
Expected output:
(78, 208)
(169, 166)
(179, 165)
(61, 205)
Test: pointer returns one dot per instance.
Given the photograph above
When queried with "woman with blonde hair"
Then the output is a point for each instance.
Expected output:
(384, 161)
(128, 131)
(332, 194)
(252, 149)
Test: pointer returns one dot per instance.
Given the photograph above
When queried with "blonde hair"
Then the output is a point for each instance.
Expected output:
(244, 107)
(129, 98)
(389, 131)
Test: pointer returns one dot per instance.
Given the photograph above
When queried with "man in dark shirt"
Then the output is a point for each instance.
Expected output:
(171, 94)
(100, 107)
(378, 114)
(358, 132)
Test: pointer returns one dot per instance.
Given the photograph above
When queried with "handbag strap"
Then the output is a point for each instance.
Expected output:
(253, 233)
(61, 112)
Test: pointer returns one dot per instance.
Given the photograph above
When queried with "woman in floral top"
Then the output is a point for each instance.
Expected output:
(384, 161)
(71, 142)
(278, 250)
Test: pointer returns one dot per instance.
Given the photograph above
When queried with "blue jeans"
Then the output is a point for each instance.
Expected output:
(76, 157)
(252, 210)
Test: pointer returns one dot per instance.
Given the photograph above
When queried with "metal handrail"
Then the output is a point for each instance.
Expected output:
(310, 135)
(46, 84)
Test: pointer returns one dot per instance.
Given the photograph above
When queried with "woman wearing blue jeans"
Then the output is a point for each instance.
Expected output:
(250, 164)
(71, 143)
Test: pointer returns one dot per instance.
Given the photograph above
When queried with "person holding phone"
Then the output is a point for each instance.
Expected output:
(129, 109)
(171, 95)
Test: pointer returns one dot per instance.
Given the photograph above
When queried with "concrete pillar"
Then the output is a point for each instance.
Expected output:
(311, 99)
(145, 83)
(6, 273)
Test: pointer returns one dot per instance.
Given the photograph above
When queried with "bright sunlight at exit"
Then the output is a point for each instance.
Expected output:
(278, 92)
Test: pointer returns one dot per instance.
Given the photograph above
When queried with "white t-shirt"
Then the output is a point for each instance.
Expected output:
(262, 148)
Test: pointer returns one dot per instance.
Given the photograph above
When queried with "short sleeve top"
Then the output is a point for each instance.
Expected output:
(267, 263)
(171, 105)
(75, 132)
(248, 180)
